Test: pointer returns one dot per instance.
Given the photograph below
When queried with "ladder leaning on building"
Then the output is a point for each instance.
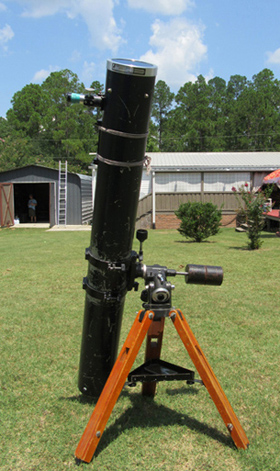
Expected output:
(62, 193)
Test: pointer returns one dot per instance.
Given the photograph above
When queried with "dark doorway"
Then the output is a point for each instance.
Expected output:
(41, 193)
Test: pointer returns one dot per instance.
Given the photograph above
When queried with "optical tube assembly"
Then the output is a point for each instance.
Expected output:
(120, 157)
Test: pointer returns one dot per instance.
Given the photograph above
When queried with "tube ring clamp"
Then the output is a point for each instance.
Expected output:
(102, 295)
(117, 163)
(114, 132)
(96, 262)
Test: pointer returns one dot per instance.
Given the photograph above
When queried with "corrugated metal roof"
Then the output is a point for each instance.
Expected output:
(84, 177)
(80, 175)
(214, 161)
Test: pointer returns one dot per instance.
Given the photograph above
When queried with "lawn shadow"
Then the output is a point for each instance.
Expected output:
(194, 242)
(270, 235)
(93, 400)
(263, 236)
(244, 247)
(81, 399)
(188, 391)
(145, 412)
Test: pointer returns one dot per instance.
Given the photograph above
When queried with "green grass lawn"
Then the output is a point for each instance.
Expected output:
(43, 414)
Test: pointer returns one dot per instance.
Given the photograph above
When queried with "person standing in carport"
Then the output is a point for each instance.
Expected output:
(32, 203)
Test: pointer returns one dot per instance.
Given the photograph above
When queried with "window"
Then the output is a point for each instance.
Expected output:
(178, 182)
(220, 182)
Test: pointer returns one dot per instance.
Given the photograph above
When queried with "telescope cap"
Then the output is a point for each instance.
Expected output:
(132, 67)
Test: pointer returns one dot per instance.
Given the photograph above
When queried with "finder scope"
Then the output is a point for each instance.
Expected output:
(89, 100)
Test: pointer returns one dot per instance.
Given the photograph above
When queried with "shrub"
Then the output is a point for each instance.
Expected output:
(252, 206)
(199, 220)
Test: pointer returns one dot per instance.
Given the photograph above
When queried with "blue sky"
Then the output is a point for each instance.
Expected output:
(184, 38)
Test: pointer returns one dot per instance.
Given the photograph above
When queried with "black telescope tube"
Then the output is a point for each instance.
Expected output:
(120, 157)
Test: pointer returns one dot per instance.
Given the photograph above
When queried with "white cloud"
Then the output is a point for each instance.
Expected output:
(6, 34)
(87, 75)
(2, 7)
(177, 50)
(274, 57)
(165, 7)
(40, 8)
(76, 56)
(42, 74)
(98, 16)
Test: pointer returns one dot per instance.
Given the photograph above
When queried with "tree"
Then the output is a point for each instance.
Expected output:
(51, 128)
(252, 205)
(5, 129)
(253, 113)
(217, 105)
(236, 85)
(233, 124)
(162, 103)
(29, 108)
(203, 117)
(43, 127)
(193, 115)
(16, 152)
(265, 110)
(152, 141)
(68, 129)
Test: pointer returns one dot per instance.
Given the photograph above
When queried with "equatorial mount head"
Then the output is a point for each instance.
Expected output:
(157, 292)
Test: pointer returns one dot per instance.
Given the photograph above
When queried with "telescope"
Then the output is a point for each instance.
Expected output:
(123, 132)
(113, 267)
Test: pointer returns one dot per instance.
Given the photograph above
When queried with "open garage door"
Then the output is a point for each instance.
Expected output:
(6, 204)
(41, 193)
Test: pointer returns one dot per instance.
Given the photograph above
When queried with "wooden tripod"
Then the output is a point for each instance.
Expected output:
(145, 324)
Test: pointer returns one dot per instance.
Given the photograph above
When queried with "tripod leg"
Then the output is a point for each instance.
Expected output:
(209, 379)
(153, 349)
(113, 387)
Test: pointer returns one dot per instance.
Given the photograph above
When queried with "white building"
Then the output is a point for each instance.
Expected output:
(174, 178)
